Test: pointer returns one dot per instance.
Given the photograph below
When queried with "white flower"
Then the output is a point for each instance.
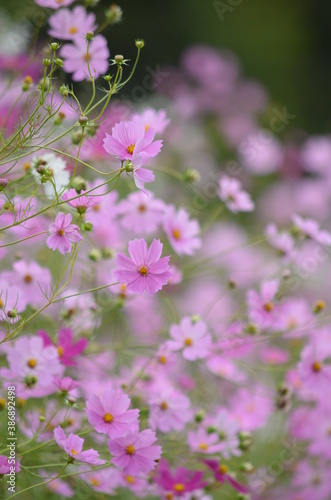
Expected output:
(55, 169)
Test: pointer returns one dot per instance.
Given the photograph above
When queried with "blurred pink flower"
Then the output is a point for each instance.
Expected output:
(72, 24)
(73, 446)
(192, 337)
(75, 58)
(181, 231)
(233, 196)
(63, 234)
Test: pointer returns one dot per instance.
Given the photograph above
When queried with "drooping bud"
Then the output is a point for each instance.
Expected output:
(191, 176)
(76, 137)
(3, 184)
(58, 62)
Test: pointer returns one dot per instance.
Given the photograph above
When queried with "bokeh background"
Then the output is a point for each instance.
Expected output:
(286, 45)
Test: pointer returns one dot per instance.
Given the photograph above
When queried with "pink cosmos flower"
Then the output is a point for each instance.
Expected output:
(31, 279)
(72, 24)
(203, 442)
(227, 429)
(103, 480)
(66, 347)
(81, 204)
(233, 196)
(54, 4)
(145, 269)
(314, 374)
(130, 142)
(262, 305)
(73, 446)
(66, 384)
(156, 120)
(316, 154)
(5, 465)
(169, 409)
(57, 486)
(224, 367)
(109, 414)
(135, 453)
(12, 302)
(222, 475)
(261, 153)
(75, 58)
(192, 337)
(310, 228)
(281, 241)
(181, 231)
(63, 234)
(141, 214)
(179, 482)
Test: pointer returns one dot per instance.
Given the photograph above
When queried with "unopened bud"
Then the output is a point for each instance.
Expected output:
(42, 418)
(87, 226)
(200, 415)
(8, 205)
(114, 14)
(83, 120)
(140, 44)
(58, 62)
(27, 82)
(47, 62)
(211, 429)
(118, 59)
(59, 118)
(195, 318)
(108, 253)
(76, 137)
(95, 255)
(247, 467)
(251, 328)
(232, 284)
(64, 90)
(54, 46)
(191, 176)
(89, 35)
(41, 170)
(129, 167)
(79, 184)
(3, 184)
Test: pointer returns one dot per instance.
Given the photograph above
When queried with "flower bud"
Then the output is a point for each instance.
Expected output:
(232, 284)
(89, 36)
(64, 90)
(44, 84)
(108, 253)
(59, 62)
(59, 118)
(95, 255)
(200, 415)
(3, 184)
(87, 226)
(245, 439)
(242, 496)
(140, 44)
(107, 78)
(47, 62)
(76, 137)
(41, 170)
(83, 120)
(284, 390)
(247, 467)
(54, 46)
(71, 400)
(195, 318)
(42, 418)
(191, 176)
(79, 184)
(119, 59)
(251, 328)
(114, 14)
(129, 167)
(8, 205)
(211, 429)
(30, 380)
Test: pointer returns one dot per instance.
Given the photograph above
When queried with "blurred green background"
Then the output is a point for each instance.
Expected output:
(284, 44)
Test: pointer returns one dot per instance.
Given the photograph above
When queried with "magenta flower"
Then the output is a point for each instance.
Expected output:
(181, 231)
(192, 337)
(54, 4)
(66, 384)
(145, 270)
(233, 196)
(73, 446)
(75, 58)
(221, 474)
(135, 453)
(63, 234)
(179, 482)
(130, 142)
(81, 204)
(66, 347)
(109, 414)
(72, 24)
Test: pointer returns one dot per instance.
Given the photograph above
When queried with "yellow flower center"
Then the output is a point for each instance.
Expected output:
(224, 469)
(108, 418)
(87, 57)
(2, 403)
(176, 234)
(162, 359)
(316, 366)
(28, 278)
(130, 148)
(32, 362)
(203, 446)
(94, 481)
(268, 306)
(96, 208)
(130, 479)
(188, 342)
(60, 350)
(73, 30)
(130, 449)
(142, 208)
(60, 232)
(73, 452)
(143, 270)
(1, 304)
(27, 166)
(164, 406)
(147, 127)
(179, 487)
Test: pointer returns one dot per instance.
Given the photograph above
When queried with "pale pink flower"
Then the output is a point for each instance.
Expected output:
(181, 231)
(233, 196)
(192, 337)
(310, 229)
(203, 442)
(75, 58)
(72, 24)
(73, 446)
(54, 4)
(140, 213)
(63, 234)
